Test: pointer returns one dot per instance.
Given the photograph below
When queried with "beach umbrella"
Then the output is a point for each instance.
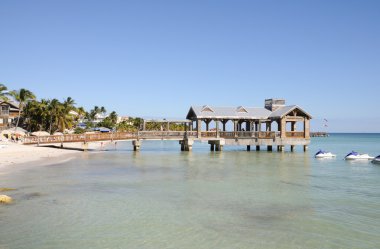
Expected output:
(19, 132)
(40, 133)
(18, 129)
(67, 131)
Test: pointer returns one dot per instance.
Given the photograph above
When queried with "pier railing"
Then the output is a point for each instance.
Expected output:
(295, 134)
(249, 134)
(109, 136)
(208, 133)
(164, 135)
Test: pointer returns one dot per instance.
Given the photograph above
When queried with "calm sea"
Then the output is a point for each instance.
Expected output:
(161, 197)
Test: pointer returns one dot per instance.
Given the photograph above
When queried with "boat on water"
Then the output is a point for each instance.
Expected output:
(356, 156)
(376, 160)
(324, 154)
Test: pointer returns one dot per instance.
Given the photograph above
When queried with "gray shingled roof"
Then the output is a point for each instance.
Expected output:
(13, 105)
(213, 112)
(230, 112)
(281, 112)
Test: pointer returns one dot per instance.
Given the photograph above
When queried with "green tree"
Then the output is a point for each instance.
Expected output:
(126, 126)
(109, 122)
(102, 110)
(93, 113)
(3, 92)
(79, 130)
(53, 108)
(69, 103)
(81, 112)
(113, 117)
(36, 114)
(22, 96)
(66, 120)
(137, 122)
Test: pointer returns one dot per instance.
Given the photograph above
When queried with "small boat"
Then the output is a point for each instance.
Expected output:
(324, 154)
(376, 160)
(356, 156)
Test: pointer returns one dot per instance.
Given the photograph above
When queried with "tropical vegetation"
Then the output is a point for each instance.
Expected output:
(53, 115)
(3, 92)
(21, 96)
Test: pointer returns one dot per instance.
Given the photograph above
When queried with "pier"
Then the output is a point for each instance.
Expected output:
(275, 125)
(319, 134)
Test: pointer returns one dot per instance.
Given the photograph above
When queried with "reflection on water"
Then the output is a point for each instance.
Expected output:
(161, 197)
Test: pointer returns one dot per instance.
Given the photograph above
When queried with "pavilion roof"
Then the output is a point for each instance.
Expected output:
(228, 112)
(281, 112)
(214, 112)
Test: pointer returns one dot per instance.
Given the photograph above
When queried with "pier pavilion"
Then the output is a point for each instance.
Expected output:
(274, 124)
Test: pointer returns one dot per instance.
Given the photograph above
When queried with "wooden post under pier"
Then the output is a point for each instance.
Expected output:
(219, 145)
(136, 145)
(186, 144)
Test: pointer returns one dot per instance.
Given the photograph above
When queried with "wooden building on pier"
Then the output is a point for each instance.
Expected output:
(274, 124)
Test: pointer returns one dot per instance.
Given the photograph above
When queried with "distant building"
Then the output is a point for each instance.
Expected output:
(73, 113)
(124, 119)
(8, 112)
(82, 122)
(99, 117)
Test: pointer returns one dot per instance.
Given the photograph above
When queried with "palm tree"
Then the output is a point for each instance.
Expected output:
(22, 96)
(81, 113)
(65, 119)
(69, 103)
(36, 115)
(3, 92)
(113, 117)
(93, 112)
(41, 116)
(53, 109)
(103, 110)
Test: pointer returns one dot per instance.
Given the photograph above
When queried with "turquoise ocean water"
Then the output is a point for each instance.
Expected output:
(161, 197)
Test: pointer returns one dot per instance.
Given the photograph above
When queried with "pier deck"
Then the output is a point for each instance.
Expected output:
(184, 137)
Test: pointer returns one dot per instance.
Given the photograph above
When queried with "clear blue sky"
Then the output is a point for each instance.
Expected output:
(156, 58)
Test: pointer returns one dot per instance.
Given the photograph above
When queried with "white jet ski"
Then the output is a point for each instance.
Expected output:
(324, 154)
(356, 156)
(376, 160)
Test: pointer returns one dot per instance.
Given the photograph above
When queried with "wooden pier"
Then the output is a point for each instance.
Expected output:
(185, 138)
(274, 125)
(319, 134)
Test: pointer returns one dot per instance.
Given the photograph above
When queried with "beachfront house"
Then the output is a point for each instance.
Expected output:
(8, 112)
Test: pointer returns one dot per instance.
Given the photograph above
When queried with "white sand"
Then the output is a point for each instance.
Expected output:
(13, 155)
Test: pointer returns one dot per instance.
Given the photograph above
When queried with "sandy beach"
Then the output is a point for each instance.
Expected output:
(14, 156)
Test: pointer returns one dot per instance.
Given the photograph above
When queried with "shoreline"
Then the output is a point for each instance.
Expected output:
(17, 156)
